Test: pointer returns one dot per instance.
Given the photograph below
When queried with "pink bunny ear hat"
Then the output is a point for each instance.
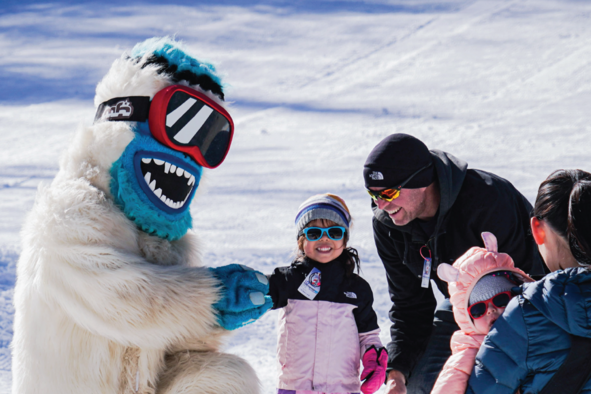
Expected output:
(467, 271)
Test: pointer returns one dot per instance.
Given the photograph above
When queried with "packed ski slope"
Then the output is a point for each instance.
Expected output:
(503, 84)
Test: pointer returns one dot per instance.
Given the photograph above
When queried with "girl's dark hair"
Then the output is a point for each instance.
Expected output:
(352, 261)
(564, 203)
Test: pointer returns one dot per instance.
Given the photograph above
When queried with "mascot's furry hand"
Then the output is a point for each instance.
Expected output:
(374, 369)
(243, 295)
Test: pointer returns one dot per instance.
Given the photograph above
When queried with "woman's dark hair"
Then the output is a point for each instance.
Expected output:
(564, 203)
(579, 222)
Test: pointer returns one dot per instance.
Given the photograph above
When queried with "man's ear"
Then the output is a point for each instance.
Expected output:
(537, 230)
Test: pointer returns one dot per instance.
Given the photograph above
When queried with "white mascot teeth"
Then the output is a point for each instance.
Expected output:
(111, 295)
(185, 180)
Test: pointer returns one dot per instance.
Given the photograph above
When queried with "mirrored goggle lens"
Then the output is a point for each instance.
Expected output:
(191, 122)
(386, 195)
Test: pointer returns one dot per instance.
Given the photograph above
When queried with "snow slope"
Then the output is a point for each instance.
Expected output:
(503, 84)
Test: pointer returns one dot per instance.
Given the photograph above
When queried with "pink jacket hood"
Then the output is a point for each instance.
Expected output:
(467, 270)
(462, 277)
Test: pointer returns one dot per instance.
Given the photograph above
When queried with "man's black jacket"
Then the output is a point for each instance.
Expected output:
(472, 201)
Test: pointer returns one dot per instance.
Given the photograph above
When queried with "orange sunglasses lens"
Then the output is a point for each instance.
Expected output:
(386, 195)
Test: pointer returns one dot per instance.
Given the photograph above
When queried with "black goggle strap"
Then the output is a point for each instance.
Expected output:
(127, 109)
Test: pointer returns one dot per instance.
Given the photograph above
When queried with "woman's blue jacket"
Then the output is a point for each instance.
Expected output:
(530, 341)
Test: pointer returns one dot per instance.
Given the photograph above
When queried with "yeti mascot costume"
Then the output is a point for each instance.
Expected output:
(111, 296)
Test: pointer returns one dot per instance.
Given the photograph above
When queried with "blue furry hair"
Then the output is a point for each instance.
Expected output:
(125, 186)
(172, 58)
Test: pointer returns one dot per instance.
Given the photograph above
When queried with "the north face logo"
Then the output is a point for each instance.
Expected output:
(376, 176)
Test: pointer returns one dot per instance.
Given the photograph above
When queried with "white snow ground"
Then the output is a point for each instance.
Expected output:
(504, 84)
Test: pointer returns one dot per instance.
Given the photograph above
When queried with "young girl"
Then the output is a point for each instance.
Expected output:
(326, 319)
(480, 287)
(533, 337)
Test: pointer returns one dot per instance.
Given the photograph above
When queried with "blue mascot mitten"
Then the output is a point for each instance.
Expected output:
(243, 295)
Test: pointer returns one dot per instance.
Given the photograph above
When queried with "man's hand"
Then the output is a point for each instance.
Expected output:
(396, 383)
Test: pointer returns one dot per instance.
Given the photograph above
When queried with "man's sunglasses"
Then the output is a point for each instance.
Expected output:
(336, 233)
(479, 309)
(393, 193)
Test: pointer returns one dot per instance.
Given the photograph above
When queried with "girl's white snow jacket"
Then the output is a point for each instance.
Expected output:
(322, 340)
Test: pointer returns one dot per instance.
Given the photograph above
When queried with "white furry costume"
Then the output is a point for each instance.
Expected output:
(101, 306)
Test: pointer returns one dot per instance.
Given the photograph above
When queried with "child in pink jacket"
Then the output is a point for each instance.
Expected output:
(480, 284)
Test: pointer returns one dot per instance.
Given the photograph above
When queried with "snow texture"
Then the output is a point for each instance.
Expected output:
(312, 87)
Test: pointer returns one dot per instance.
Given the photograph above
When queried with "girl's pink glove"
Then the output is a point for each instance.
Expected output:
(374, 369)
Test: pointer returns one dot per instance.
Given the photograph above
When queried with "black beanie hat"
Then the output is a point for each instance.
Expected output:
(395, 159)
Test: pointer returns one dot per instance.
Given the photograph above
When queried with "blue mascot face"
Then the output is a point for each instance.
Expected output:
(155, 179)
(154, 185)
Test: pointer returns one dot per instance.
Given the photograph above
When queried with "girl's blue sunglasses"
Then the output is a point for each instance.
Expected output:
(336, 233)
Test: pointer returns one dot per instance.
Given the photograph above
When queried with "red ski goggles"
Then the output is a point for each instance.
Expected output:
(479, 309)
(181, 118)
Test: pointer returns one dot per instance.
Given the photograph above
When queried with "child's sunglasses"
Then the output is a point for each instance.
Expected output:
(393, 193)
(336, 233)
(479, 309)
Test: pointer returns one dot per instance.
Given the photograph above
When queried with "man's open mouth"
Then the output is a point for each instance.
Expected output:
(170, 183)
(394, 212)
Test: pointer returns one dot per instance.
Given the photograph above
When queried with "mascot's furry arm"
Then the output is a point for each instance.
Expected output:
(90, 265)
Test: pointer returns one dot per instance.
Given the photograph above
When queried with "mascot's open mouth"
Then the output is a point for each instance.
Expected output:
(169, 182)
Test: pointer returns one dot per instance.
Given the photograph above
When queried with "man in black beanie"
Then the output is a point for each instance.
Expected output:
(429, 208)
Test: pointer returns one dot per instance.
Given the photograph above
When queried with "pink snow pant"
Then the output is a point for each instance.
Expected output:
(283, 391)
